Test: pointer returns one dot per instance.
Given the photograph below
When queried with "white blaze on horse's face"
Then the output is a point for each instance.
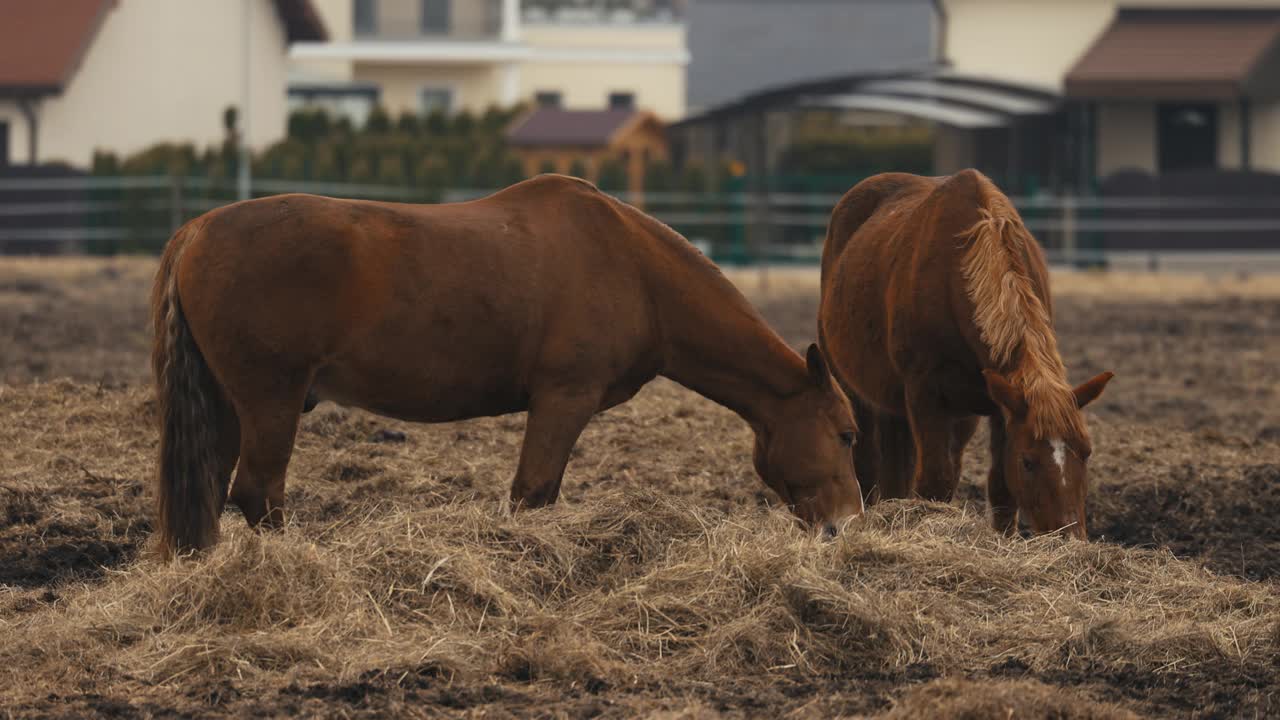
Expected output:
(1060, 457)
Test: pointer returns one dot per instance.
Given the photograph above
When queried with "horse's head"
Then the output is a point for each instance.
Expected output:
(1047, 473)
(805, 451)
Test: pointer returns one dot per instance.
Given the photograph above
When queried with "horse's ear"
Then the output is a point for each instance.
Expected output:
(1004, 394)
(817, 366)
(1092, 389)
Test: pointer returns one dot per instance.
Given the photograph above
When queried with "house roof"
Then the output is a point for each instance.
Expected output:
(1177, 54)
(301, 21)
(584, 128)
(43, 43)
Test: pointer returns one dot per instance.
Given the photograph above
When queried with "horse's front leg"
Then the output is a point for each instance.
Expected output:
(1004, 509)
(556, 419)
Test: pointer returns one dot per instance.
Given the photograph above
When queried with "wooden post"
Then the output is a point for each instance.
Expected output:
(763, 229)
(1069, 229)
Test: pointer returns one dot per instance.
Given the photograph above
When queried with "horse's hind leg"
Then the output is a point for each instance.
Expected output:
(556, 419)
(961, 433)
(228, 447)
(268, 426)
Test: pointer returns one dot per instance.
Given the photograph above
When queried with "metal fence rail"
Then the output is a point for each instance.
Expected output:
(137, 214)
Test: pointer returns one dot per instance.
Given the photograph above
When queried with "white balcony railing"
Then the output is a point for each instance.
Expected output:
(602, 12)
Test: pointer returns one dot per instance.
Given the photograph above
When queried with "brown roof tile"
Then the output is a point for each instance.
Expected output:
(42, 43)
(1175, 54)
(301, 21)
(553, 126)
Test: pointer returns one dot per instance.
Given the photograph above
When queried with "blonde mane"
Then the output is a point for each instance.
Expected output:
(1013, 321)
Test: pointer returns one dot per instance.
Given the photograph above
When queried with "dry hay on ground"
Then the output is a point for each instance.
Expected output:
(638, 598)
(664, 585)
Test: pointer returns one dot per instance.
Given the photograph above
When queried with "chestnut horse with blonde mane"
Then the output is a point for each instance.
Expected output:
(935, 310)
(549, 296)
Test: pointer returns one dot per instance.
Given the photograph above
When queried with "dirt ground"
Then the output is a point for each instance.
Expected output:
(1171, 611)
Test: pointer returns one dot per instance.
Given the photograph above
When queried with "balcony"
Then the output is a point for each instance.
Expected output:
(431, 20)
(484, 21)
(602, 12)
(470, 32)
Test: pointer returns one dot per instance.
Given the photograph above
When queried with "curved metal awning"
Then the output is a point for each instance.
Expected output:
(957, 116)
(937, 95)
(999, 100)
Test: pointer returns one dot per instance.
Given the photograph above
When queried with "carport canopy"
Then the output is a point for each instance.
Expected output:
(937, 95)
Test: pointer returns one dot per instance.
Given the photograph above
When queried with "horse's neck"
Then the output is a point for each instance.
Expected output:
(718, 346)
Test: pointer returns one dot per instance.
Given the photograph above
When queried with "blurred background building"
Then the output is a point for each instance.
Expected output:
(1117, 125)
(83, 75)
(424, 55)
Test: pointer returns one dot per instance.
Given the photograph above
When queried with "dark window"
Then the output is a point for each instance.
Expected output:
(366, 17)
(435, 16)
(1187, 136)
(547, 98)
(493, 17)
(433, 100)
(4, 144)
(622, 101)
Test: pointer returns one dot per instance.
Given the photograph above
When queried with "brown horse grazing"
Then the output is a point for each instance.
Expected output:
(935, 310)
(549, 296)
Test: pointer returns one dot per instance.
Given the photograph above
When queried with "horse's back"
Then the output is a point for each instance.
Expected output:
(426, 312)
(894, 299)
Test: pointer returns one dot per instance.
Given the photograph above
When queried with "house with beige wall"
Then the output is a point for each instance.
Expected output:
(120, 75)
(1152, 85)
(419, 56)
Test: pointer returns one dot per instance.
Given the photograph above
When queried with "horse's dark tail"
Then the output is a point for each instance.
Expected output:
(187, 487)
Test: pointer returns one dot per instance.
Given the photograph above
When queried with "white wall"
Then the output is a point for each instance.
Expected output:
(17, 131)
(1265, 150)
(475, 87)
(659, 89)
(585, 63)
(337, 16)
(1126, 137)
(648, 61)
(1028, 41)
(144, 80)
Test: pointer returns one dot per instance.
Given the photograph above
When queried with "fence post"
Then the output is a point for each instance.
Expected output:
(763, 234)
(1069, 229)
(175, 204)
(737, 205)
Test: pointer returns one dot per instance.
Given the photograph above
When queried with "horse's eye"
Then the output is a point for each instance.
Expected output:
(846, 438)
(1028, 464)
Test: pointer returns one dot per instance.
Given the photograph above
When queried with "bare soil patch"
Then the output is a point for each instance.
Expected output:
(664, 585)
